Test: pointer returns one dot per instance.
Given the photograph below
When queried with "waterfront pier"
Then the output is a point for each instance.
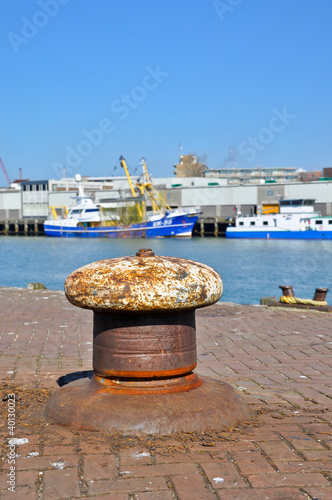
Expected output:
(279, 360)
(22, 227)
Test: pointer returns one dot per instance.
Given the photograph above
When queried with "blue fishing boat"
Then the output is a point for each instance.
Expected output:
(125, 216)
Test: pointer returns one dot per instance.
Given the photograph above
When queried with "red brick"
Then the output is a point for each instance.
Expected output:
(100, 467)
(192, 487)
(42, 463)
(61, 484)
(24, 478)
(59, 450)
(278, 451)
(91, 449)
(301, 466)
(176, 458)
(135, 456)
(317, 454)
(322, 493)
(223, 475)
(279, 479)
(128, 485)
(158, 470)
(302, 441)
(151, 495)
(115, 496)
(24, 492)
(263, 494)
(251, 462)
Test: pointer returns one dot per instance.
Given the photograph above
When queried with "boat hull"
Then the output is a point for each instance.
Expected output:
(281, 235)
(178, 226)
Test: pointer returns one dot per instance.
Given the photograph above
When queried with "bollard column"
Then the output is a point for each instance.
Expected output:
(144, 350)
(320, 294)
(287, 290)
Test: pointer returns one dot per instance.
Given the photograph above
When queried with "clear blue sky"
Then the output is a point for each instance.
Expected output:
(238, 82)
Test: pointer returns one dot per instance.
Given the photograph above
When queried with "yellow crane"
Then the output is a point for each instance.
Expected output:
(145, 188)
(133, 192)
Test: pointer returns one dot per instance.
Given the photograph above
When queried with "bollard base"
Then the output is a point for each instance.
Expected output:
(87, 404)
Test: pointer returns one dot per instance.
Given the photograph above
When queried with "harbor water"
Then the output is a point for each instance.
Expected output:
(250, 269)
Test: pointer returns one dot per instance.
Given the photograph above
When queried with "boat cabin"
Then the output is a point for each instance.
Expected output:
(296, 206)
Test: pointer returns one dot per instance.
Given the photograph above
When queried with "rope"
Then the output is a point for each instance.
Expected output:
(295, 300)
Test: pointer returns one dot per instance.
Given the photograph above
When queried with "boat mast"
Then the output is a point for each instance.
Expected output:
(152, 192)
(142, 186)
(133, 192)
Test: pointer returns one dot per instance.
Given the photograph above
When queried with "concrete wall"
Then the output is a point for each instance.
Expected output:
(321, 191)
(10, 204)
(222, 195)
(62, 199)
(270, 193)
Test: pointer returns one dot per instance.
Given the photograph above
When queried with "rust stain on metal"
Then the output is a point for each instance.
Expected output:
(171, 385)
(144, 282)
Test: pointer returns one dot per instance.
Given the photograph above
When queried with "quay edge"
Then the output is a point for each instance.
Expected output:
(22, 227)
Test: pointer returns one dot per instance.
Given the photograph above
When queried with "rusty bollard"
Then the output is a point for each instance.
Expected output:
(320, 294)
(287, 290)
(144, 350)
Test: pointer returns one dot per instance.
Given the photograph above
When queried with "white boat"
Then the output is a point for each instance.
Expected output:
(123, 217)
(297, 219)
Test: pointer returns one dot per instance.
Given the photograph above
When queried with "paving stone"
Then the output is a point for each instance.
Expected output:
(223, 475)
(116, 496)
(25, 492)
(135, 456)
(61, 484)
(279, 479)
(42, 463)
(100, 467)
(279, 450)
(264, 494)
(154, 495)
(191, 487)
(158, 470)
(251, 462)
(322, 493)
(304, 466)
(128, 485)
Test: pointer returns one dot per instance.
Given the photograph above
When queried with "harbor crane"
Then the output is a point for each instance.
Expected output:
(5, 172)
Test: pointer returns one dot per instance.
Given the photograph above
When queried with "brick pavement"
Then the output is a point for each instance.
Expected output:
(279, 359)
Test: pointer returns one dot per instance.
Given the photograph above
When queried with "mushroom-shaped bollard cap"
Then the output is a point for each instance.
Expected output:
(144, 282)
